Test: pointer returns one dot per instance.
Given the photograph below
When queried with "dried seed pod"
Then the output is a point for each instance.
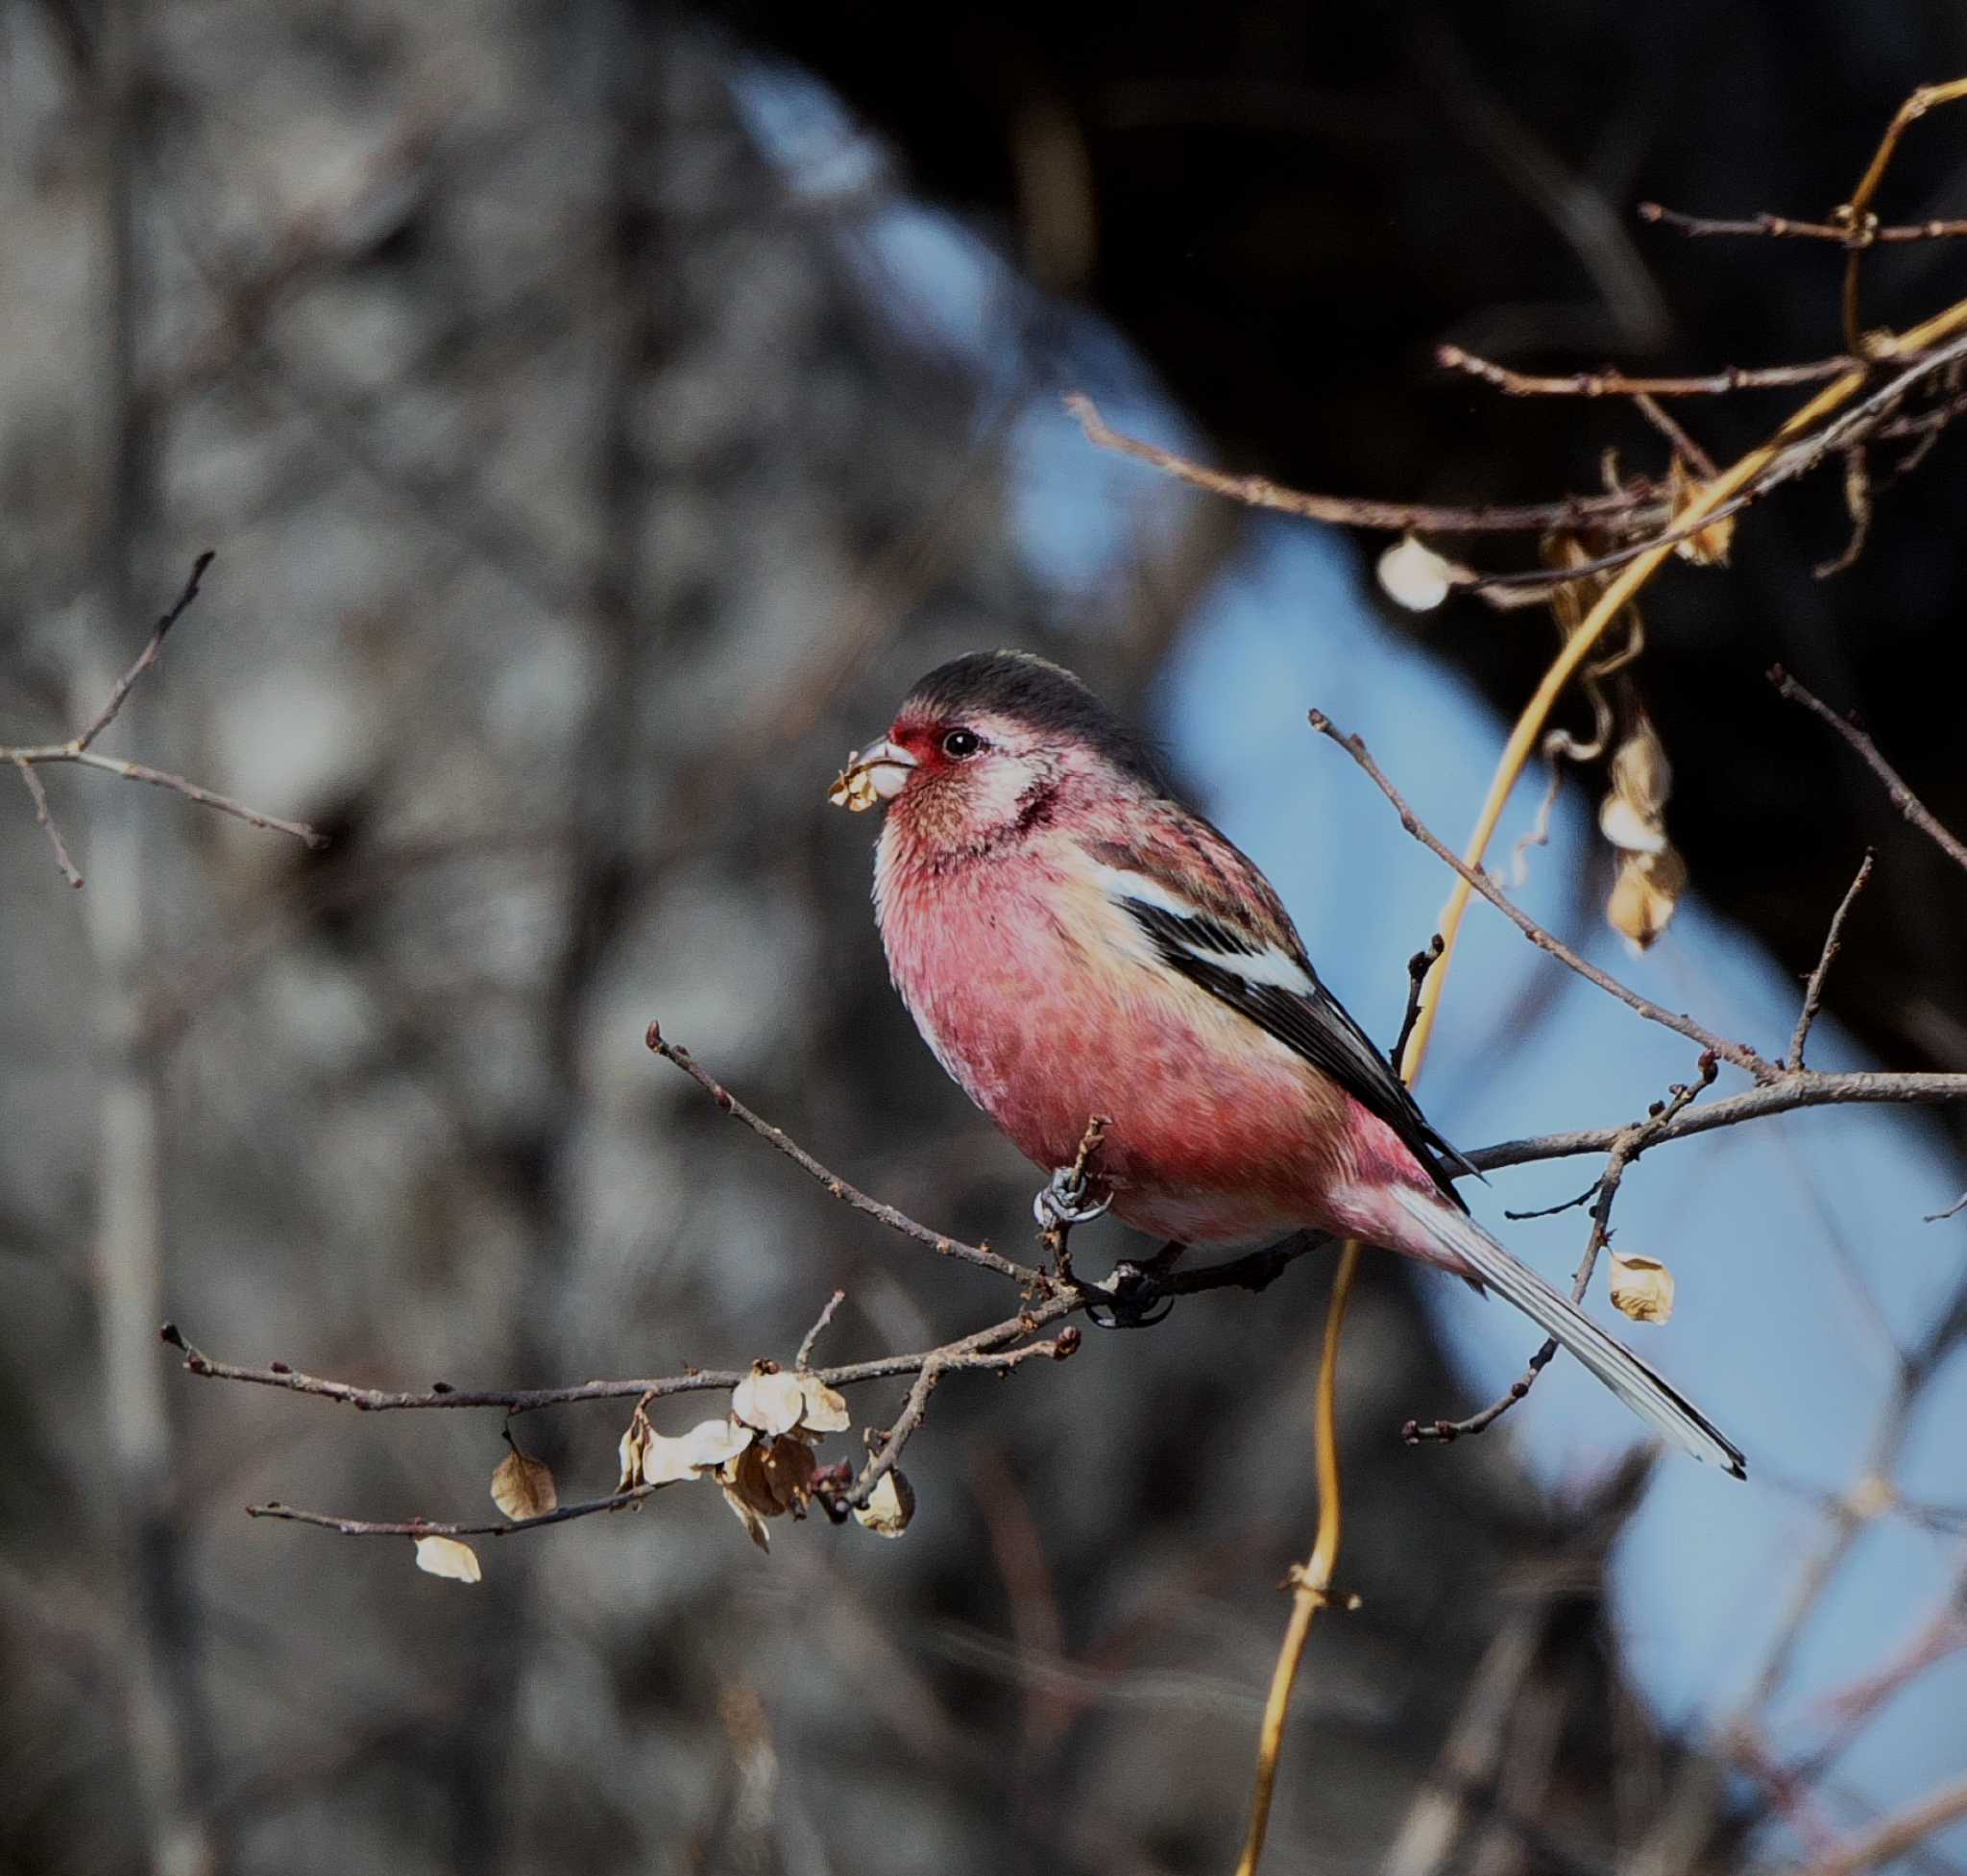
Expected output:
(1645, 895)
(1641, 1288)
(1412, 575)
(889, 1505)
(445, 1556)
(771, 1398)
(523, 1486)
(853, 788)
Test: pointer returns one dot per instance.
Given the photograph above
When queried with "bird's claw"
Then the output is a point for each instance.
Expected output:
(1065, 1201)
(1136, 1301)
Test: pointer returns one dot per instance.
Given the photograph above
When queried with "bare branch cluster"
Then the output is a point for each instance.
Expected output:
(79, 749)
(1050, 1292)
(1877, 376)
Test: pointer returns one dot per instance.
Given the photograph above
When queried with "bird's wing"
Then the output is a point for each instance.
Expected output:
(1213, 917)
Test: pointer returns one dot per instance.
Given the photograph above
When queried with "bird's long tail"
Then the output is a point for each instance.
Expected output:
(1669, 1414)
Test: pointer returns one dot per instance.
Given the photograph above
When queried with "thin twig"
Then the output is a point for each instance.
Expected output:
(138, 771)
(887, 1446)
(334, 1520)
(803, 1359)
(1617, 385)
(1638, 504)
(1254, 1271)
(1738, 1053)
(895, 1220)
(38, 796)
(1902, 799)
(1921, 424)
(78, 750)
(1780, 228)
(1813, 990)
(970, 1351)
(148, 657)
(1675, 432)
(986, 1348)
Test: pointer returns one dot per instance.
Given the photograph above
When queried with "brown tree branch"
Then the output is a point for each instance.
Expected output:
(1809, 1087)
(1813, 990)
(1840, 434)
(1780, 228)
(983, 1348)
(38, 796)
(1641, 503)
(1902, 799)
(803, 1359)
(148, 657)
(79, 749)
(1740, 1054)
(1617, 385)
(333, 1521)
(944, 1246)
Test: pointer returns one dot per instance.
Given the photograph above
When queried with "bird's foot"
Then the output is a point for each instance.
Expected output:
(1132, 1298)
(1068, 1200)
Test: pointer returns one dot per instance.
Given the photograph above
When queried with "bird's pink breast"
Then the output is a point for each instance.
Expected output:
(1219, 1133)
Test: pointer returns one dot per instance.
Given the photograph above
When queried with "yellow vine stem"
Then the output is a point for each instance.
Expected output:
(1857, 215)
(1311, 1582)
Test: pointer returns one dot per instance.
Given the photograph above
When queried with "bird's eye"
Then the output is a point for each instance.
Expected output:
(961, 743)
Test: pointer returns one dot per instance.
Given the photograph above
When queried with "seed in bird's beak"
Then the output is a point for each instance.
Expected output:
(875, 774)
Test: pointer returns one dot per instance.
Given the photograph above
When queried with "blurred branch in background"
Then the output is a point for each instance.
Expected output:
(79, 749)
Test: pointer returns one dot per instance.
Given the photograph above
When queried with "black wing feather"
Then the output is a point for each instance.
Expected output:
(1317, 1026)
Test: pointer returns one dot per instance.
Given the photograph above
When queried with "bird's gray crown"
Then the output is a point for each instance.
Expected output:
(1042, 696)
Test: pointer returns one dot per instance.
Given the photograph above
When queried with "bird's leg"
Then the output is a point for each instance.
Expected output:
(1068, 1200)
(1059, 1206)
(1134, 1298)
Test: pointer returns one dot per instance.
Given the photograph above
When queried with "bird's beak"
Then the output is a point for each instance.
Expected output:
(875, 774)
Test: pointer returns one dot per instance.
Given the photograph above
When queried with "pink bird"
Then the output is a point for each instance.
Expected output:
(1073, 941)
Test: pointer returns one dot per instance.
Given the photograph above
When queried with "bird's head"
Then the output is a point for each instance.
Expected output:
(985, 746)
